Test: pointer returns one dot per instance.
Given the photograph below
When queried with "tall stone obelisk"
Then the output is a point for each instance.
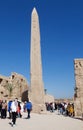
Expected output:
(37, 89)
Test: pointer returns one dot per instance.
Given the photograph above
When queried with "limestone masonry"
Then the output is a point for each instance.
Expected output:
(78, 96)
(37, 89)
(13, 86)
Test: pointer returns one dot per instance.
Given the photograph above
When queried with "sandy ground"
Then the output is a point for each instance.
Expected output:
(49, 121)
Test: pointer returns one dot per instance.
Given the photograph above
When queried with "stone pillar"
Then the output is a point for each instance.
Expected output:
(37, 89)
(78, 96)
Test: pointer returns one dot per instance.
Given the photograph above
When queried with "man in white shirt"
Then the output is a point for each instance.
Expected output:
(14, 106)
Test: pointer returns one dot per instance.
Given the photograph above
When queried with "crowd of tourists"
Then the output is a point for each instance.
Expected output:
(63, 108)
(15, 109)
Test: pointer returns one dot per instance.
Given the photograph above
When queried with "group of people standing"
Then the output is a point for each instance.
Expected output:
(63, 108)
(14, 107)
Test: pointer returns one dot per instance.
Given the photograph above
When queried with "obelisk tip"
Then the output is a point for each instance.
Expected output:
(34, 10)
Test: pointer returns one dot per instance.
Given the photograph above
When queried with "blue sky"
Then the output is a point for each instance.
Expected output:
(61, 27)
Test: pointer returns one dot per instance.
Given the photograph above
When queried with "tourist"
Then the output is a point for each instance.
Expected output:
(19, 110)
(29, 108)
(9, 108)
(0, 107)
(4, 109)
(14, 107)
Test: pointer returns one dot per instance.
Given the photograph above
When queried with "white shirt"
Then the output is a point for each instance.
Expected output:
(13, 106)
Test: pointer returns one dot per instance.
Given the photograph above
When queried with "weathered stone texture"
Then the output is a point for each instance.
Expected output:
(14, 86)
(78, 96)
(36, 92)
(49, 98)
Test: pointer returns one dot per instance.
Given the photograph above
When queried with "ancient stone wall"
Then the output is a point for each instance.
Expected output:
(49, 98)
(61, 100)
(78, 96)
(14, 86)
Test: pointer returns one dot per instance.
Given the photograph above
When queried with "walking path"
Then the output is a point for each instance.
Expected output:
(49, 121)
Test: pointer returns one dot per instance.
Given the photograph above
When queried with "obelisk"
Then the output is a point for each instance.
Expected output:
(37, 88)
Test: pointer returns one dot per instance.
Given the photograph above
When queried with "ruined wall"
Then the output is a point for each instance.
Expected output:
(14, 86)
(49, 98)
(78, 96)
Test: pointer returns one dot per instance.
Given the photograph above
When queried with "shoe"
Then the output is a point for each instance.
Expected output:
(14, 125)
(11, 123)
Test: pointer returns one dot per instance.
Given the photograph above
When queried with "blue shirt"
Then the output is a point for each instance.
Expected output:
(28, 105)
